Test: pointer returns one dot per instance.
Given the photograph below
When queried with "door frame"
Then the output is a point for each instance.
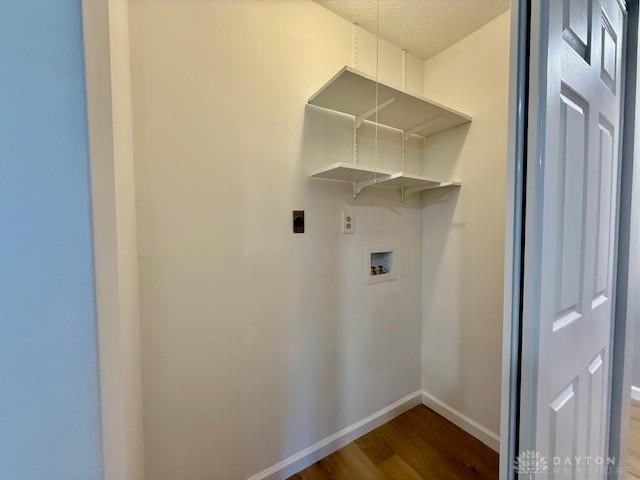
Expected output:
(109, 118)
(627, 307)
(113, 206)
(520, 337)
(514, 231)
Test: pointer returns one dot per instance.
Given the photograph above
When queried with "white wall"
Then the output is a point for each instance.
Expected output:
(257, 342)
(463, 232)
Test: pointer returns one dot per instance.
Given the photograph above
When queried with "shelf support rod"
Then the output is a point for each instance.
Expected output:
(355, 141)
(422, 126)
(404, 69)
(402, 153)
(354, 43)
(364, 116)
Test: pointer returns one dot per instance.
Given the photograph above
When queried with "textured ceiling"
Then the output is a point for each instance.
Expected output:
(423, 27)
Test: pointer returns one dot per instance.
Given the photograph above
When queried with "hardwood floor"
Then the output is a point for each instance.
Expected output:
(634, 443)
(418, 444)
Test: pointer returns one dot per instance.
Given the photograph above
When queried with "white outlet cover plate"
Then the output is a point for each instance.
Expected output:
(348, 221)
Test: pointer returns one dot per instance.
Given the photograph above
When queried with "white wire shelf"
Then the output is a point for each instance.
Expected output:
(350, 172)
(354, 93)
(365, 177)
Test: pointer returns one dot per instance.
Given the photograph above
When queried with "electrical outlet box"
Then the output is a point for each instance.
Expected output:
(298, 221)
(348, 222)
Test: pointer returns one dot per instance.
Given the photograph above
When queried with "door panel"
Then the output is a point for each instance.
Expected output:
(564, 431)
(604, 215)
(570, 234)
(577, 24)
(571, 206)
(595, 406)
(609, 53)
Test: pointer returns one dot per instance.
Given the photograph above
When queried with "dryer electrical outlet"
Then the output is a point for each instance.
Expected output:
(348, 221)
(298, 221)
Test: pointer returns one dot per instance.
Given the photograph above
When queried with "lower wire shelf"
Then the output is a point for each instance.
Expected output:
(363, 177)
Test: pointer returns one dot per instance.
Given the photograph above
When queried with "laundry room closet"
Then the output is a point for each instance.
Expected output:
(320, 193)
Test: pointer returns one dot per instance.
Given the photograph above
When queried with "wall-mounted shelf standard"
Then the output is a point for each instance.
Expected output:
(353, 92)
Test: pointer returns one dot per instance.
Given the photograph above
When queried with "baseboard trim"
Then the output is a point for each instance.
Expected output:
(482, 433)
(635, 393)
(326, 446)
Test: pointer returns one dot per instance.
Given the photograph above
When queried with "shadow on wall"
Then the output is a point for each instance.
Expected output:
(339, 366)
(462, 272)
(441, 234)
(443, 253)
(442, 152)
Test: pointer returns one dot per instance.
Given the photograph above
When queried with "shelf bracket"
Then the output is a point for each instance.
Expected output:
(364, 116)
(422, 126)
(358, 186)
(361, 185)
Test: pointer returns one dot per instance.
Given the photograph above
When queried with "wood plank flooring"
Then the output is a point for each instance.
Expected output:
(418, 444)
(634, 443)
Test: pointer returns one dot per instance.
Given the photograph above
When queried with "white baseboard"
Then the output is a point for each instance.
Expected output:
(486, 436)
(635, 393)
(330, 444)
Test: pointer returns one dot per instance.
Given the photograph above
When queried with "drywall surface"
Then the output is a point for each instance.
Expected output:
(463, 232)
(257, 343)
(49, 406)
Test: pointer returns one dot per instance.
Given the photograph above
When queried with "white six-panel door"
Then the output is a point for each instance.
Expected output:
(570, 235)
